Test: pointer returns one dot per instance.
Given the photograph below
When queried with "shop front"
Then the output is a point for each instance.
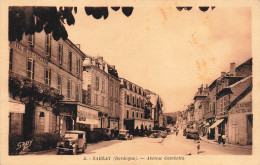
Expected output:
(77, 116)
(241, 123)
(87, 118)
(16, 111)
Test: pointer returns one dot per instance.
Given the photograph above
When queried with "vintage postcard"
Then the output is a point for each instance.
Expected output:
(151, 82)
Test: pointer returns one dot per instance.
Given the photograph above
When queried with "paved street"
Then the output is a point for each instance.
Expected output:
(172, 145)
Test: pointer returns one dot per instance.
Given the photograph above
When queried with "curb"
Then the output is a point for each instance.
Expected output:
(229, 145)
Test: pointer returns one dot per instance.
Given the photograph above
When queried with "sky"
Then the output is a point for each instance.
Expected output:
(167, 51)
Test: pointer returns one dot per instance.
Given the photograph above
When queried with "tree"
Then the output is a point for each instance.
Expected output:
(28, 20)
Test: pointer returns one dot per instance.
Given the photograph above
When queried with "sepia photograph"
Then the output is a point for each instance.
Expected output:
(154, 82)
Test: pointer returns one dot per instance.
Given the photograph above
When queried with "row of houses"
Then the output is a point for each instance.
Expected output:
(55, 87)
(224, 108)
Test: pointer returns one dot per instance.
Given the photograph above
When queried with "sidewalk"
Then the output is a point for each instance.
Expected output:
(246, 147)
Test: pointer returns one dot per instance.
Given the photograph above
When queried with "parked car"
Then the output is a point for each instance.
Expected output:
(155, 134)
(192, 133)
(163, 134)
(124, 134)
(105, 133)
(184, 132)
(168, 130)
(73, 142)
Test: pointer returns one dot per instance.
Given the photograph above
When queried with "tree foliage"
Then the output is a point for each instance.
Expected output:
(28, 20)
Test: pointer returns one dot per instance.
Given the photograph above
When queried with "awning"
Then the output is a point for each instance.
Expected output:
(207, 124)
(16, 106)
(216, 123)
(86, 115)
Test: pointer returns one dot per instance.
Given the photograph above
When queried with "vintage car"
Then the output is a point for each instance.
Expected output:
(155, 134)
(73, 142)
(163, 134)
(124, 134)
(192, 134)
(106, 133)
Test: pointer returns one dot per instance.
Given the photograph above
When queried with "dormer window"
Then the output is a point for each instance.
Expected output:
(31, 40)
(48, 45)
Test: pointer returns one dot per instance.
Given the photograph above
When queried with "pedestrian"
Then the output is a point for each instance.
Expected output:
(198, 146)
(223, 140)
(177, 132)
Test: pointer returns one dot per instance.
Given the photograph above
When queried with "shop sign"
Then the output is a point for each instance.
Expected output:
(242, 107)
(86, 115)
(16, 107)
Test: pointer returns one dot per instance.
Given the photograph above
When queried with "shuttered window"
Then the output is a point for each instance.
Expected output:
(30, 68)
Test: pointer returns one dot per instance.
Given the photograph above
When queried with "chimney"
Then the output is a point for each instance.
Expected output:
(77, 45)
(232, 69)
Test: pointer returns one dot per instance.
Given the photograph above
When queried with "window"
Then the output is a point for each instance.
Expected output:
(31, 40)
(60, 54)
(48, 45)
(103, 85)
(77, 92)
(69, 89)
(78, 66)
(97, 83)
(59, 84)
(70, 61)
(11, 59)
(127, 114)
(141, 115)
(128, 100)
(96, 100)
(133, 114)
(136, 114)
(30, 68)
(103, 101)
(47, 76)
(112, 90)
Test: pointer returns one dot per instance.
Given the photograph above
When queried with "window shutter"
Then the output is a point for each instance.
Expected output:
(33, 69)
(49, 76)
(50, 45)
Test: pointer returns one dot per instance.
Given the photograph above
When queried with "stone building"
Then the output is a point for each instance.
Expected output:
(132, 107)
(200, 106)
(157, 108)
(219, 107)
(43, 70)
(101, 90)
(240, 117)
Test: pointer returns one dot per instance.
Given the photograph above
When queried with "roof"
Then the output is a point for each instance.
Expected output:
(153, 100)
(228, 90)
(248, 62)
(70, 42)
(240, 97)
(75, 131)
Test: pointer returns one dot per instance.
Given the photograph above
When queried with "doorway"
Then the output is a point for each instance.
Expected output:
(249, 128)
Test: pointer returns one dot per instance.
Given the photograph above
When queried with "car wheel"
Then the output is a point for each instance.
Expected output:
(58, 152)
(83, 149)
(74, 152)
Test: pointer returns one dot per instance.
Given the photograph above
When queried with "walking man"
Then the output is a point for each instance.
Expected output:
(198, 146)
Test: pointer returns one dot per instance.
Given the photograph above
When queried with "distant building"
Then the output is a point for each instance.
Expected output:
(132, 107)
(101, 90)
(200, 106)
(157, 108)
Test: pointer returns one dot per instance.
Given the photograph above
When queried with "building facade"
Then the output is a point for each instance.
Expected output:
(48, 71)
(132, 107)
(101, 90)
